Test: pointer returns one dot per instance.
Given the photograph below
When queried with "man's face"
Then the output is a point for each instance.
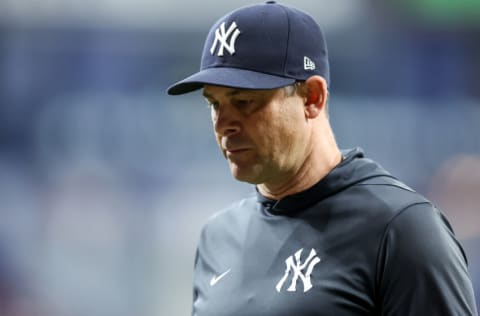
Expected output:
(262, 133)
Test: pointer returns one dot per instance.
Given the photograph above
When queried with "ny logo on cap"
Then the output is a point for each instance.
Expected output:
(222, 37)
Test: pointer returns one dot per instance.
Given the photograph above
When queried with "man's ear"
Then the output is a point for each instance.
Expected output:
(316, 93)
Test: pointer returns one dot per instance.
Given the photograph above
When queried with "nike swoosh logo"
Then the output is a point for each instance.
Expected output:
(215, 278)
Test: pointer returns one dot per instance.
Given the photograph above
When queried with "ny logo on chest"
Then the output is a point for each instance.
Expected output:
(298, 270)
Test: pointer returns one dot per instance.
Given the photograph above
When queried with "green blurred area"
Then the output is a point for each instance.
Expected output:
(451, 13)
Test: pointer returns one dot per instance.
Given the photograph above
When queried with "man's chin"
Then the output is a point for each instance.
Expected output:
(244, 174)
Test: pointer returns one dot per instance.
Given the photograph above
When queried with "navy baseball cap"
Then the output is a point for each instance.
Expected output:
(261, 46)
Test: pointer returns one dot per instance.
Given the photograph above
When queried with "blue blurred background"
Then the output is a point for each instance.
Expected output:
(105, 181)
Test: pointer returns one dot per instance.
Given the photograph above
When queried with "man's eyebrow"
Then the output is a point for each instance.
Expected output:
(206, 95)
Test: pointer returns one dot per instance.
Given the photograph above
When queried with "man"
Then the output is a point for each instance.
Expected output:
(328, 232)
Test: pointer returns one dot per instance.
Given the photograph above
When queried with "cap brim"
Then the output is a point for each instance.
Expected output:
(229, 77)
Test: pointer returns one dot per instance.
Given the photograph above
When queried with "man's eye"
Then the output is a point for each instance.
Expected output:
(243, 102)
(212, 104)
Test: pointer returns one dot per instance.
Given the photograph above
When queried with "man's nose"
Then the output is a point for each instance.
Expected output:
(226, 120)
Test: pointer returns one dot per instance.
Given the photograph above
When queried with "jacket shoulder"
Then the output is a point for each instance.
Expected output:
(387, 194)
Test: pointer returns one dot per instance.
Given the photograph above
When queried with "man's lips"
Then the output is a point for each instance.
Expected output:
(232, 151)
(232, 147)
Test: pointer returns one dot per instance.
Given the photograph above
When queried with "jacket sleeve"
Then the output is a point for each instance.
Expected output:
(422, 268)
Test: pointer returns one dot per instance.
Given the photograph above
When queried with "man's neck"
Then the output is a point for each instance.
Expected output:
(315, 167)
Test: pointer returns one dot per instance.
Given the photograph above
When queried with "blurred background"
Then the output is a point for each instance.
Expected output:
(105, 181)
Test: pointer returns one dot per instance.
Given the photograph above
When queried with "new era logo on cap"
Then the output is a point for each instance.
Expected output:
(308, 64)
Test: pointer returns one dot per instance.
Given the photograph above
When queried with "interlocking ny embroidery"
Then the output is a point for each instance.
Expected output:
(294, 264)
(222, 37)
